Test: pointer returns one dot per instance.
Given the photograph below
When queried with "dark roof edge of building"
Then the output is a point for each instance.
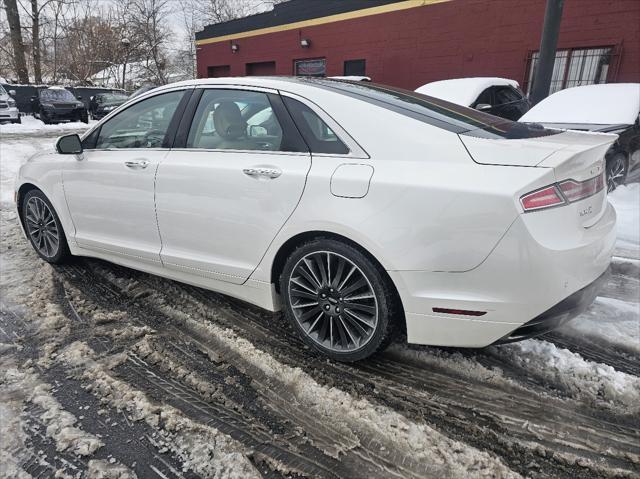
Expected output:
(288, 12)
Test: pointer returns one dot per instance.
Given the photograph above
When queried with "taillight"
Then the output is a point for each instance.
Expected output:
(540, 199)
(562, 193)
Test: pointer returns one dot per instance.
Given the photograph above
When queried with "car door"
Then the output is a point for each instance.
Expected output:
(236, 175)
(110, 191)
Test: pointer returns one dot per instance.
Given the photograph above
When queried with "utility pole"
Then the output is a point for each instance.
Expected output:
(547, 56)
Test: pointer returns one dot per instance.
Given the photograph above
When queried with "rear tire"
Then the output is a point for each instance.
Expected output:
(43, 228)
(340, 301)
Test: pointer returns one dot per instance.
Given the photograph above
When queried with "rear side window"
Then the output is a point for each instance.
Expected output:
(436, 112)
(506, 95)
(317, 134)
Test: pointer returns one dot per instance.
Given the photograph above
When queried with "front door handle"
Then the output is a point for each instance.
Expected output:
(262, 172)
(138, 164)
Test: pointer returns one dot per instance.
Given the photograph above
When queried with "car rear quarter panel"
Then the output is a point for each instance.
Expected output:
(429, 205)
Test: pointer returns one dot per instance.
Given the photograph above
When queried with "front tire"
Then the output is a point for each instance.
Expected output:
(340, 301)
(43, 228)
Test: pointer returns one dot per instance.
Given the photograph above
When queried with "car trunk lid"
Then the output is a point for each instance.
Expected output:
(574, 157)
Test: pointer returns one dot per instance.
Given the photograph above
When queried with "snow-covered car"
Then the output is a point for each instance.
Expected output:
(351, 78)
(359, 209)
(609, 108)
(498, 96)
(8, 109)
(56, 104)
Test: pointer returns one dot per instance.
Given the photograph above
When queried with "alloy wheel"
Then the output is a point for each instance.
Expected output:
(333, 301)
(42, 227)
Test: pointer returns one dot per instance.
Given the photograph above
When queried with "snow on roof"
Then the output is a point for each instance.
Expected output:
(609, 104)
(463, 91)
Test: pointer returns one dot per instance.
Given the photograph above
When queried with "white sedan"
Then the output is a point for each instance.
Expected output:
(360, 209)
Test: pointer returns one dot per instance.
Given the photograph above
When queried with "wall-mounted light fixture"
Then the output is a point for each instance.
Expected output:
(305, 43)
(235, 47)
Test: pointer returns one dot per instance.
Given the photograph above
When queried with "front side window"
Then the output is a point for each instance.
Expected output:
(142, 125)
(236, 120)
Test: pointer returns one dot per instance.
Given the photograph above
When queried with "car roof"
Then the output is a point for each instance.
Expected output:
(607, 104)
(463, 91)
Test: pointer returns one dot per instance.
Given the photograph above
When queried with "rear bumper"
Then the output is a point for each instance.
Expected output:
(561, 313)
(9, 114)
(525, 277)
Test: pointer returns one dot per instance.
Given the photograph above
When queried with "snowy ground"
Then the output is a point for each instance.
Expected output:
(110, 373)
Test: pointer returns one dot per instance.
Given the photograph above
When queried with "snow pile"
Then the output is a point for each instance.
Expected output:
(626, 201)
(202, 449)
(101, 469)
(13, 153)
(586, 380)
(61, 425)
(613, 320)
(32, 125)
(455, 362)
(13, 438)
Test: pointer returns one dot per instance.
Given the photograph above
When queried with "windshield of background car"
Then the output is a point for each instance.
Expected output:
(57, 95)
(111, 98)
(449, 116)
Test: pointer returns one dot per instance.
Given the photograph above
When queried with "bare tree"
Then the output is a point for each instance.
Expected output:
(13, 17)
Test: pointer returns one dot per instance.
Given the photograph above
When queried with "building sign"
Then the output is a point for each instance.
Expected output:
(311, 68)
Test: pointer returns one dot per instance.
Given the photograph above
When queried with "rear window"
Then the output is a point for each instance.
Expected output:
(449, 116)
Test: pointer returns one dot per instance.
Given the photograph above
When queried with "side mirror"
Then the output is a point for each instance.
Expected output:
(69, 145)
(12, 92)
(257, 130)
(33, 98)
(79, 97)
(483, 106)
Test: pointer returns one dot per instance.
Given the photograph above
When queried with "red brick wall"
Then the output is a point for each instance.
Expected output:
(456, 39)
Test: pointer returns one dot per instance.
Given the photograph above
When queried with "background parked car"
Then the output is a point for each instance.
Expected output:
(8, 109)
(498, 96)
(56, 104)
(609, 108)
(104, 103)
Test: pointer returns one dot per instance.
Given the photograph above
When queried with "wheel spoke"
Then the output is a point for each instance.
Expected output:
(302, 285)
(305, 305)
(346, 328)
(303, 294)
(353, 268)
(361, 319)
(321, 267)
(42, 227)
(360, 307)
(310, 274)
(360, 283)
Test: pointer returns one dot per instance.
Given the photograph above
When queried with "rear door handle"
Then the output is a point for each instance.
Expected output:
(138, 164)
(262, 172)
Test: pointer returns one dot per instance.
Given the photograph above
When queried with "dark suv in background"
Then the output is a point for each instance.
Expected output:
(102, 104)
(56, 104)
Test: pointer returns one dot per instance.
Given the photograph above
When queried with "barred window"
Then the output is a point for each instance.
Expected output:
(575, 67)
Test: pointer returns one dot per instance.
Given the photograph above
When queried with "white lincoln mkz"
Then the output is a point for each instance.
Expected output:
(359, 209)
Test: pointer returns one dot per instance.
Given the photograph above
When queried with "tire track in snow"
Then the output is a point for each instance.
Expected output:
(366, 454)
(402, 380)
